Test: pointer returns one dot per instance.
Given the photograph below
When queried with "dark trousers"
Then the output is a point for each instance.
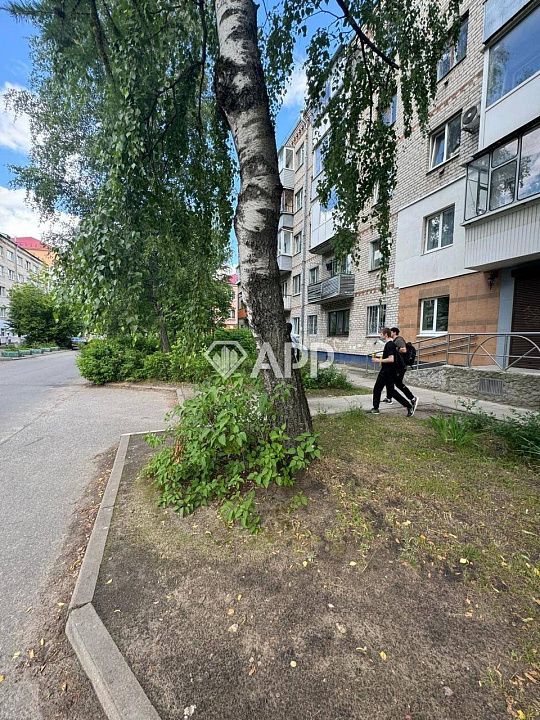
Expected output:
(386, 380)
(398, 382)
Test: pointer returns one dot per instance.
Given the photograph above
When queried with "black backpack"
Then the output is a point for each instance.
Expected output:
(410, 355)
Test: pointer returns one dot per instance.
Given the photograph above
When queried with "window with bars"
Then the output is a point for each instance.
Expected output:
(376, 319)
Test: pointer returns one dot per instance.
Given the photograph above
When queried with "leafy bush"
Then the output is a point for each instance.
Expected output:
(453, 429)
(100, 361)
(188, 366)
(226, 441)
(330, 377)
(157, 366)
(243, 337)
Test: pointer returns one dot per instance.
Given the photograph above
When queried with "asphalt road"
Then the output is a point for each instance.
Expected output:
(53, 425)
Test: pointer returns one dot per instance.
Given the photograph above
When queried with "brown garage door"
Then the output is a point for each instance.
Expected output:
(526, 317)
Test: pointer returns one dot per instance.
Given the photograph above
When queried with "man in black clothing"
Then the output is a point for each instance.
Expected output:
(386, 376)
(400, 368)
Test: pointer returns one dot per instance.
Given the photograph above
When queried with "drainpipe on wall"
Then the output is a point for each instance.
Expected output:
(307, 204)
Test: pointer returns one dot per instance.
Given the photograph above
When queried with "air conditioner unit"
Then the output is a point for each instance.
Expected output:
(470, 121)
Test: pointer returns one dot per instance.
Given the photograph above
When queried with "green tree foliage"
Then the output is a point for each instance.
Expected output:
(35, 314)
(127, 137)
(355, 65)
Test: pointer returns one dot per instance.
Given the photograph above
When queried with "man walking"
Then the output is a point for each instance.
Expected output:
(401, 368)
(385, 378)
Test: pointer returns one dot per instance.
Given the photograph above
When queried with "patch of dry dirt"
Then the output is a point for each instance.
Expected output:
(292, 623)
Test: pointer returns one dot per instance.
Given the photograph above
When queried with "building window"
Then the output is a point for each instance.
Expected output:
(34, 268)
(10, 255)
(318, 161)
(296, 284)
(286, 157)
(11, 275)
(300, 156)
(298, 243)
(299, 200)
(338, 322)
(296, 325)
(287, 204)
(2, 312)
(2, 291)
(445, 142)
(284, 288)
(375, 255)
(440, 229)
(454, 53)
(20, 278)
(19, 261)
(390, 114)
(434, 315)
(376, 319)
(515, 58)
(28, 264)
(284, 242)
(1, 271)
(312, 324)
(314, 275)
(510, 172)
(339, 266)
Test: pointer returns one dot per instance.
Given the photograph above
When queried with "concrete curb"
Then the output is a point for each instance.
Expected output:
(117, 688)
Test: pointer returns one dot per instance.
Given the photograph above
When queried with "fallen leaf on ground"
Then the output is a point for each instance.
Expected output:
(60, 604)
(463, 561)
(42, 642)
(383, 655)
(1, 678)
(64, 687)
(16, 655)
(108, 582)
(233, 628)
(252, 670)
(230, 611)
(31, 654)
(352, 564)
(293, 664)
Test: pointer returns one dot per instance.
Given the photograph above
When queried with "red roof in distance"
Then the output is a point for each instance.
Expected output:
(29, 243)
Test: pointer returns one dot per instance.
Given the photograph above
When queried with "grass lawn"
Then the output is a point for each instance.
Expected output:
(335, 392)
(406, 589)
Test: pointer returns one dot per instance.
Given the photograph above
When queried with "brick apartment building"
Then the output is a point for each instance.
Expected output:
(17, 265)
(465, 213)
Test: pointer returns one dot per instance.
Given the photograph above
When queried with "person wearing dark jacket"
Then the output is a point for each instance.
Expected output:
(401, 368)
(385, 378)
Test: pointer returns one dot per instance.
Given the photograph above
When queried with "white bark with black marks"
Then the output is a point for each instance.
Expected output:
(242, 96)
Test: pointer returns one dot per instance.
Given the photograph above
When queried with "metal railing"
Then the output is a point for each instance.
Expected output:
(502, 350)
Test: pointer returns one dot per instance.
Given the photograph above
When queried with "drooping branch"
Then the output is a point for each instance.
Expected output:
(100, 37)
(363, 37)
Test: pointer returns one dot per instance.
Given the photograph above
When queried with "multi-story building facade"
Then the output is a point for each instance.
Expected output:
(17, 265)
(465, 212)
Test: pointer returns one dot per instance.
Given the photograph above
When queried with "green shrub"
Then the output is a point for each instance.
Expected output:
(329, 377)
(226, 442)
(243, 337)
(100, 361)
(131, 364)
(157, 366)
(186, 366)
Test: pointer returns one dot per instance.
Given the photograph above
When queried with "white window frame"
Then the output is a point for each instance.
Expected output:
(19, 260)
(314, 271)
(297, 243)
(296, 325)
(312, 324)
(20, 277)
(282, 243)
(380, 312)
(299, 200)
(433, 332)
(10, 255)
(300, 156)
(389, 116)
(296, 281)
(372, 256)
(34, 268)
(284, 288)
(3, 313)
(436, 134)
(440, 215)
(286, 158)
(2, 291)
(11, 274)
(452, 47)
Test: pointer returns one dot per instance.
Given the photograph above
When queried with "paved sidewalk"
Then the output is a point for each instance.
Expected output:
(432, 399)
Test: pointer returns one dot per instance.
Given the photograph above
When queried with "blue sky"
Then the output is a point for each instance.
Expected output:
(16, 217)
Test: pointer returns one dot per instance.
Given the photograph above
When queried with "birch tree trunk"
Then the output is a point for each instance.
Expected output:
(242, 95)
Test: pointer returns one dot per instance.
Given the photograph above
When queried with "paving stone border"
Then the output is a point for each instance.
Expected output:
(117, 688)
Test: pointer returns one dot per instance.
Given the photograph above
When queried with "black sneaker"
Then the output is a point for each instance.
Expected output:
(411, 410)
(388, 400)
(374, 411)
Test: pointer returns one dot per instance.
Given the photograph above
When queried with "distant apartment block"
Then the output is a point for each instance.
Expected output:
(17, 265)
(465, 212)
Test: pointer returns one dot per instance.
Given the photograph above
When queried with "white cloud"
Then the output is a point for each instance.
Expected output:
(295, 91)
(14, 131)
(19, 219)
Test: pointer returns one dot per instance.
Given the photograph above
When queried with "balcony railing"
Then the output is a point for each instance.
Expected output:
(286, 220)
(284, 261)
(339, 287)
